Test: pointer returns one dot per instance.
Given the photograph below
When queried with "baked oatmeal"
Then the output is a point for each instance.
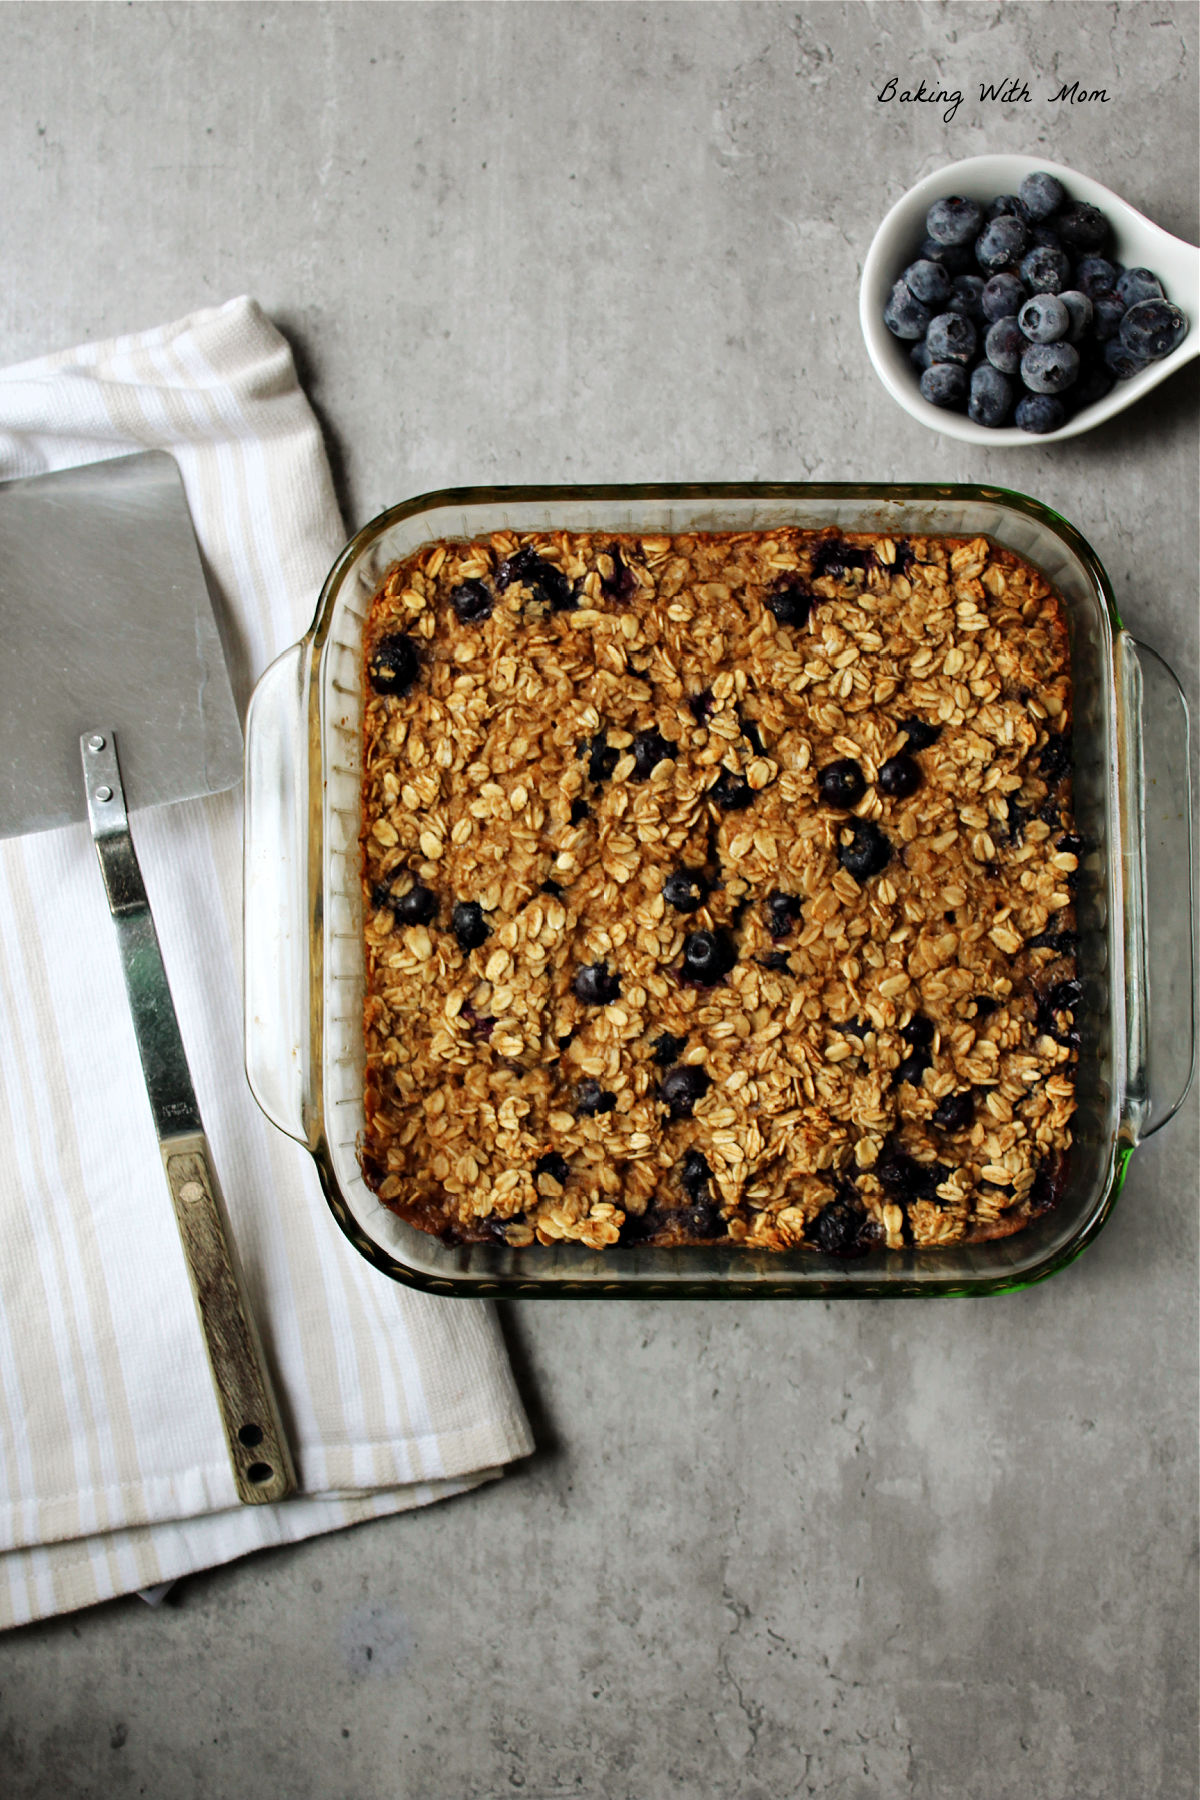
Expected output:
(718, 888)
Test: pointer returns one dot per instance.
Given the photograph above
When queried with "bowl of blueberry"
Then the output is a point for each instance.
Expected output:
(1009, 301)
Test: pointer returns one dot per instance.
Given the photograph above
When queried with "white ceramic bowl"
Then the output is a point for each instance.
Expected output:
(1137, 242)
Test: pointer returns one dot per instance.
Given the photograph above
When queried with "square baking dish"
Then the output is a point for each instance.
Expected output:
(304, 978)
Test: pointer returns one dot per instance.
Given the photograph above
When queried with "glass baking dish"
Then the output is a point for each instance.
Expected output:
(303, 953)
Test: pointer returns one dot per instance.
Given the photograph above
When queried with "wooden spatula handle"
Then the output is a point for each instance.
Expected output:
(258, 1451)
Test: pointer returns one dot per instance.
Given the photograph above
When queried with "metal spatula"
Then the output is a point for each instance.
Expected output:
(107, 635)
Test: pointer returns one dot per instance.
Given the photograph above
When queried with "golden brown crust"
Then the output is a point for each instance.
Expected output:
(518, 758)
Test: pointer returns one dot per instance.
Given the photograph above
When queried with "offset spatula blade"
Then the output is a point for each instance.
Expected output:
(105, 614)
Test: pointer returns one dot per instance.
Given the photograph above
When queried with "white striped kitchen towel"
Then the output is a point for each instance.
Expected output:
(113, 1471)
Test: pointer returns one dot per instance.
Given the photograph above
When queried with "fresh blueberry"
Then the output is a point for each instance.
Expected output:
(544, 581)
(1095, 275)
(1040, 195)
(667, 1049)
(1079, 314)
(417, 907)
(1044, 319)
(1094, 381)
(694, 1176)
(955, 1112)
(919, 357)
(591, 1098)
(837, 1228)
(1121, 362)
(944, 384)
(649, 749)
(904, 315)
(1002, 204)
(967, 297)
(867, 852)
(991, 396)
(682, 1087)
(954, 220)
(790, 603)
(731, 792)
(927, 282)
(1107, 312)
(841, 784)
(1049, 368)
(472, 602)
(1139, 284)
(1153, 328)
(901, 775)
(393, 665)
(1046, 270)
(783, 913)
(1001, 244)
(1083, 228)
(595, 986)
(685, 890)
(952, 338)
(708, 956)
(553, 1165)
(1044, 236)
(469, 925)
(920, 735)
(956, 259)
(602, 758)
(1005, 345)
(1003, 296)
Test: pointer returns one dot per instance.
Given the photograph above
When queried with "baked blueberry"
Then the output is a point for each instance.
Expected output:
(920, 735)
(790, 603)
(955, 1112)
(602, 757)
(544, 581)
(579, 811)
(985, 1006)
(954, 220)
(900, 776)
(841, 784)
(472, 602)
(553, 1165)
(1056, 758)
(837, 1228)
(918, 1032)
(596, 986)
(667, 1049)
(867, 852)
(417, 907)
(708, 956)
(469, 925)
(591, 1098)
(685, 889)
(776, 960)
(649, 749)
(783, 914)
(731, 792)
(912, 1068)
(833, 556)
(623, 582)
(393, 665)
(700, 705)
(694, 1176)
(682, 1087)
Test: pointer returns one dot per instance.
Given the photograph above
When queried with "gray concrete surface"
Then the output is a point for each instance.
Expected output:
(943, 1550)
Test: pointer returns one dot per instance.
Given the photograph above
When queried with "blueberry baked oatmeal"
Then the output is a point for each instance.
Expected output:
(718, 888)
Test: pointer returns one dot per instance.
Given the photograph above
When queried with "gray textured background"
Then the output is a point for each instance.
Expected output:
(943, 1550)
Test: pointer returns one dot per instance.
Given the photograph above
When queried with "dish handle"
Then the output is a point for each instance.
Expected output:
(1156, 848)
(276, 927)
